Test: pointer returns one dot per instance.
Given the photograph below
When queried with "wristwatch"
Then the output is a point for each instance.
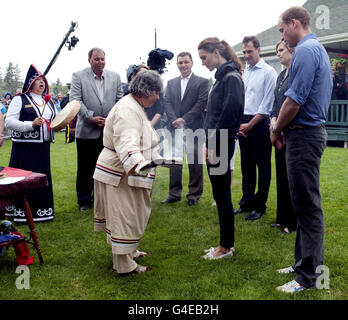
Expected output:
(275, 132)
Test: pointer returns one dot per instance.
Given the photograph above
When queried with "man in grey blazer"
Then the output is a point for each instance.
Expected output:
(185, 100)
(97, 90)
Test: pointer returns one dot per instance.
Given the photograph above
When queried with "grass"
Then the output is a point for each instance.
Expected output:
(78, 261)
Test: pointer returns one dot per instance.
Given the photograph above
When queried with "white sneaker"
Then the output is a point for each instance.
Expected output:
(286, 270)
(291, 287)
(210, 254)
(210, 249)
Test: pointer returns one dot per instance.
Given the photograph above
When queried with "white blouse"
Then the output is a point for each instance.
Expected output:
(12, 121)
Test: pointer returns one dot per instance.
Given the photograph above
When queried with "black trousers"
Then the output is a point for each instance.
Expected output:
(88, 151)
(285, 213)
(255, 153)
(221, 187)
(304, 149)
(195, 188)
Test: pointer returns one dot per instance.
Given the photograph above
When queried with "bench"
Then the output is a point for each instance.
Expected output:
(337, 121)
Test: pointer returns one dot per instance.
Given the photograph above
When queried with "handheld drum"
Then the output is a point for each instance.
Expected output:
(66, 115)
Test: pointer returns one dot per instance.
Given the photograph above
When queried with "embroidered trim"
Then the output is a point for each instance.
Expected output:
(130, 153)
(151, 177)
(119, 242)
(12, 211)
(108, 170)
(97, 220)
(34, 219)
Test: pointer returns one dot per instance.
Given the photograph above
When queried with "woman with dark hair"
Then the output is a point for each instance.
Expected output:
(286, 218)
(224, 113)
(122, 191)
(29, 116)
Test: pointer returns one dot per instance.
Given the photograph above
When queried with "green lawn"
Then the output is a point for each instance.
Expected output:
(78, 261)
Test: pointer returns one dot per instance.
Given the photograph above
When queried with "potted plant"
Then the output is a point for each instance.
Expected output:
(340, 62)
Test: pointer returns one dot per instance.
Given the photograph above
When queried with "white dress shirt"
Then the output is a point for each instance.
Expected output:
(184, 82)
(100, 86)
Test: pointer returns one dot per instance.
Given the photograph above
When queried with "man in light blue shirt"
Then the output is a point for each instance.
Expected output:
(255, 145)
(301, 118)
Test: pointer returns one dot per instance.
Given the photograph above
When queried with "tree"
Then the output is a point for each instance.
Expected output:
(18, 77)
(57, 87)
(12, 79)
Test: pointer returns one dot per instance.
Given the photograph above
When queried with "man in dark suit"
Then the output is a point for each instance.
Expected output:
(70, 128)
(97, 90)
(65, 99)
(185, 99)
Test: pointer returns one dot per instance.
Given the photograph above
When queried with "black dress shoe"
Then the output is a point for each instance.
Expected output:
(192, 202)
(240, 210)
(170, 200)
(275, 225)
(254, 215)
(84, 208)
(285, 230)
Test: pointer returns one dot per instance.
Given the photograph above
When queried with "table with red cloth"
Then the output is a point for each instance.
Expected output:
(9, 193)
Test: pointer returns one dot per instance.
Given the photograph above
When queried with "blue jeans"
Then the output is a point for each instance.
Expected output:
(304, 148)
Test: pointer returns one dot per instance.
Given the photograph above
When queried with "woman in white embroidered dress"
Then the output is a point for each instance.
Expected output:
(122, 192)
(29, 117)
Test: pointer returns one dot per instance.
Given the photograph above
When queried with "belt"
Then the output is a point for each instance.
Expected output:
(302, 126)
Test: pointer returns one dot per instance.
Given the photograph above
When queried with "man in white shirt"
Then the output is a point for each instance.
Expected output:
(185, 99)
(97, 90)
(255, 145)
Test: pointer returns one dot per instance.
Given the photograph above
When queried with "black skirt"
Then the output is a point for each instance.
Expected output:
(33, 157)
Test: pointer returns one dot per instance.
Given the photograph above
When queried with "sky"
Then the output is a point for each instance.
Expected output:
(33, 30)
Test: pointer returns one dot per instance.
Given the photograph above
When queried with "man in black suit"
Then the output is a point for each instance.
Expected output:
(185, 100)
(70, 128)
(65, 99)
